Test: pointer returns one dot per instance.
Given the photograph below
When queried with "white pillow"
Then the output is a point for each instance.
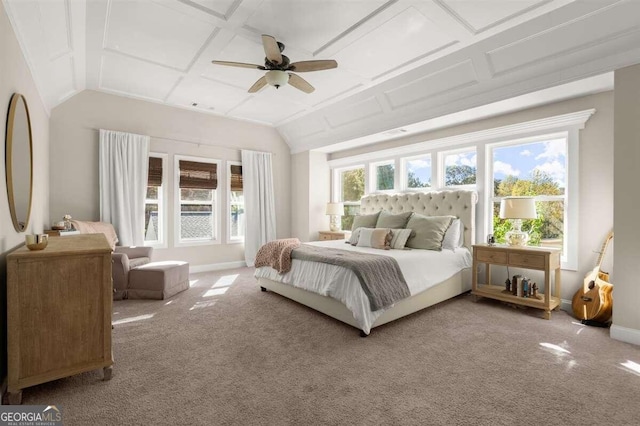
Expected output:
(400, 237)
(353, 240)
(454, 237)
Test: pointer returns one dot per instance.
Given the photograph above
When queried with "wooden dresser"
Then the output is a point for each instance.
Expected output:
(58, 311)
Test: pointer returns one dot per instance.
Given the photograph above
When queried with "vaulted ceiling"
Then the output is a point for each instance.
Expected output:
(400, 61)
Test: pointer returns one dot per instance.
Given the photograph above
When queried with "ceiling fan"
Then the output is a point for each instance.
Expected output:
(278, 66)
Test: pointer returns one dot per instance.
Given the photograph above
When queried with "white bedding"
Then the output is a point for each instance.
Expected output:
(422, 269)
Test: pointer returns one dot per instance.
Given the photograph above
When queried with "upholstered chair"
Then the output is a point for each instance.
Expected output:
(123, 259)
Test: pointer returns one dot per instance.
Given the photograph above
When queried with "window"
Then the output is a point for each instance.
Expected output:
(350, 189)
(236, 215)
(154, 212)
(384, 176)
(417, 172)
(534, 168)
(198, 218)
(459, 167)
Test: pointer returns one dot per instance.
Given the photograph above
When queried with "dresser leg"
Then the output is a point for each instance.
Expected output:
(547, 314)
(14, 398)
(108, 372)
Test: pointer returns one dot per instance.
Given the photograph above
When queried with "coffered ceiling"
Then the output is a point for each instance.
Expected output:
(400, 61)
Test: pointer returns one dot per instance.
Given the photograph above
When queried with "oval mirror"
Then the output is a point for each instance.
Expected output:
(18, 161)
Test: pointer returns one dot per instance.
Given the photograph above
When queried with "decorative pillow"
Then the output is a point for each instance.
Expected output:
(353, 239)
(393, 221)
(365, 221)
(428, 231)
(375, 238)
(454, 236)
(400, 237)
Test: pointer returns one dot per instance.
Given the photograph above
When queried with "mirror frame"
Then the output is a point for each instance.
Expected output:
(13, 105)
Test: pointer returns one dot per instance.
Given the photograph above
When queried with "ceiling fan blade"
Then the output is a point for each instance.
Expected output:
(262, 81)
(304, 66)
(271, 49)
(300, 83)
(238, 64)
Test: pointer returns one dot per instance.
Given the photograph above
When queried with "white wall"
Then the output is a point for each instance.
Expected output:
(74, 158)
(310, 193)
(15, 77)
(595, 172)
(626, 273)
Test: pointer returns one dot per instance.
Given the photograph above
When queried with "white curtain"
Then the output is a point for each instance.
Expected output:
(259, 200)
(124, 164)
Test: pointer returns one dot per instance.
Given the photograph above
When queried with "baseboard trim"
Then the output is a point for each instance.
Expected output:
(565, 305)
(629, 335)
(216, 266)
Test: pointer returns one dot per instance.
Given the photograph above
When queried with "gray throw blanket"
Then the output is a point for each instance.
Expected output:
(380, 276)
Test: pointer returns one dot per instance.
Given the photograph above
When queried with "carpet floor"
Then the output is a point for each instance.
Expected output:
(223, 352)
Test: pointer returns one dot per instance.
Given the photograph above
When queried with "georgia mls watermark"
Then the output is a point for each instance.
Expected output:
(30, 415)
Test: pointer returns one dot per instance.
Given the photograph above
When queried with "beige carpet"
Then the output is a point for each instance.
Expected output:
(225, 353)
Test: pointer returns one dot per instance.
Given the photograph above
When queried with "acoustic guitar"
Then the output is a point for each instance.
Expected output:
(593, 301)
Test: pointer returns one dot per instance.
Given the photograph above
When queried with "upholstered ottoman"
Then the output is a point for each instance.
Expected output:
(158, 280)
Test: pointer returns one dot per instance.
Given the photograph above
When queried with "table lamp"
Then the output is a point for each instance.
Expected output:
(335, 210)
(516, 209)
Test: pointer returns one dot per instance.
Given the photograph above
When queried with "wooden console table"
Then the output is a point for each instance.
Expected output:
(58, 311)
(538, 258)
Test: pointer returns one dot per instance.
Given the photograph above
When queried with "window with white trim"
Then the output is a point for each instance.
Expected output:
(535, 168)
(235, 216)
(154, 209)
(417, 172)
(350, 187)
(458, 168)
(197, 218)
(383, 176)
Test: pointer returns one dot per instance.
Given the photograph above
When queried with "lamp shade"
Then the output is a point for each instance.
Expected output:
(335, 209)
(518, 208)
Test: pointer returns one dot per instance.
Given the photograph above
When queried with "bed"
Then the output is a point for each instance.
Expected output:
(311, 283)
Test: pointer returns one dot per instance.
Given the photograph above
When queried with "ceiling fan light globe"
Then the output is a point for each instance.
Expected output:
(277, 78)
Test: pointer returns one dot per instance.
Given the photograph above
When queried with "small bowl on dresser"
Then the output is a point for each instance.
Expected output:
(36, 241)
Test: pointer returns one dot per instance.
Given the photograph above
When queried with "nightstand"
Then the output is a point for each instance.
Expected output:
(538, 258)
(331, 235)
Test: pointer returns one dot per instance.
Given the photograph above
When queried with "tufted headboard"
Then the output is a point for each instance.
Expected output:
(443, 203)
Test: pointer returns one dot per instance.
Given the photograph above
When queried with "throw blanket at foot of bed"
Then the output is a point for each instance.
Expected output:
(277, 254)
(380, 276)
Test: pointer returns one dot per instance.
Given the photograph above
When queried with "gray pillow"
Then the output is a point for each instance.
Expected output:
(365, 221)
(428, 231)
(393, 221)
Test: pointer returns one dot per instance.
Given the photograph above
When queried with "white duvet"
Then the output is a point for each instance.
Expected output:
(422, 269)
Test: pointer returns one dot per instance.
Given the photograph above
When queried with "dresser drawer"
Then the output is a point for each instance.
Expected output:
(491, 256)
(527, 260)
(324, 237)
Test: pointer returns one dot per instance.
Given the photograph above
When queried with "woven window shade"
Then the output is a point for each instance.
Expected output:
(155, 172)
(197, 175)
(236, 178)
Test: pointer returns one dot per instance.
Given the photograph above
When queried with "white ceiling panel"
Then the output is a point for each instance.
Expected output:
(549, 44)
(130, 76)
(266, 108)
(424, 89)
(310, 24)
(151, 31)
(479, 15)
(219, 8)
(350, 113)
(406, 37)
(62, 71)
(56, 27)
(210, 95)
